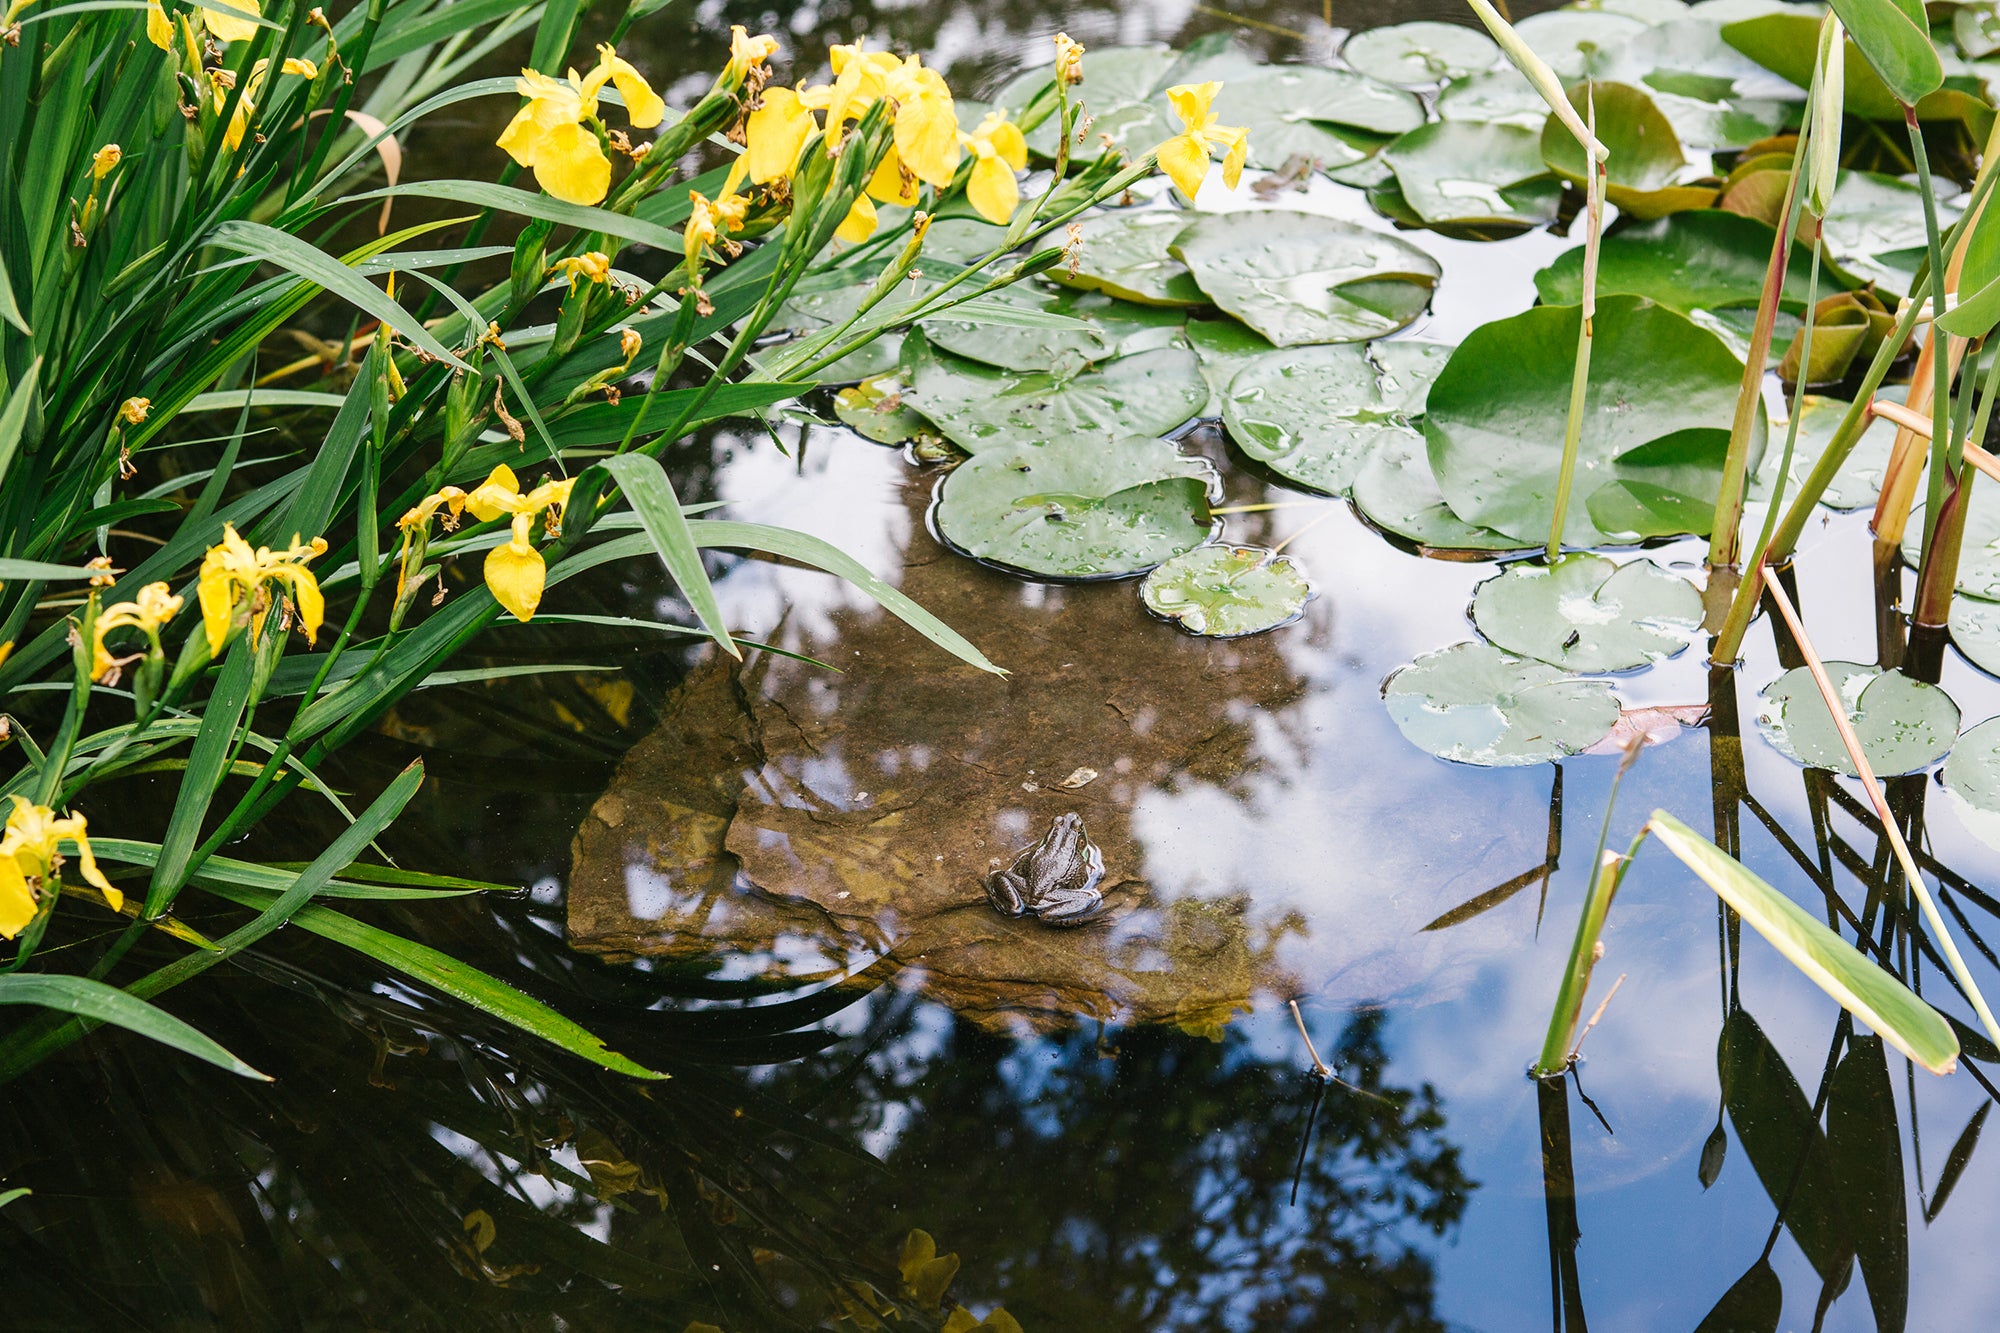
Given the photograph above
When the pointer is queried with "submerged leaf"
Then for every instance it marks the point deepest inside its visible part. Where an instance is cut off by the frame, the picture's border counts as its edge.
(1587, 613)
(1078, 508)
(1297, 278)
(1903, 725)
(1225, 592)
(1474, 704)
(1754, 1303)
(1867, 1151)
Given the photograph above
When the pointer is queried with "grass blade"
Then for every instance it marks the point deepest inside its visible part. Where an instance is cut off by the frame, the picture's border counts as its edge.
(107, 1004)
(652, 497)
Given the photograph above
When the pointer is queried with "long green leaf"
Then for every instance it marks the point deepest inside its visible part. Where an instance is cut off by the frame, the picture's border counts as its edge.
(645, 484)
(529, 203)
(42, 570)
(459, 980)
(1895, 36)
(322, 269)
(14, 417)
(1885, 1004)
(208, 761)
(107, 1004)
(273, 880)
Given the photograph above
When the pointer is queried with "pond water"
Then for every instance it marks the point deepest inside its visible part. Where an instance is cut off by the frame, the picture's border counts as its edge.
(765, 881)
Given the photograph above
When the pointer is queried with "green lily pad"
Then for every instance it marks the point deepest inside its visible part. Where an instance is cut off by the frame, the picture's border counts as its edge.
(1500, 96)
(1700, 260)
(981, 407)
(1288, 111)
(1874, 228)
(1732, 123)
(1651, 454)
(874, 408)
(1587, 613)
(1474, 704)
(1223, 347)
(1078, 508)
(1226, 592)
(1112, 328)
(1687, 55)
(1126, 254)
(1975, 628)
(1903, 725)
(1421, 53)
(1396, 494)
(1972, 776)
(822, 301)
(1646, 166)
(1979, 553)
(1117, 91)
(1459, 173)
(1297, 278)
(1578, 43)
(1859, 480)
(1315, 415)
(962, 240)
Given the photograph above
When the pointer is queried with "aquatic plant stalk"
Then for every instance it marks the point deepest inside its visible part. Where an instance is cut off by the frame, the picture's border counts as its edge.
(1873, 787)
(1579, 384)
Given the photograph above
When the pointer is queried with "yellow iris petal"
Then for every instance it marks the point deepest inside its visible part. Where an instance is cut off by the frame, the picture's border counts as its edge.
(515, 572)
(217, 595)
(643, 107)
(230, 28)
(1191, 102)
(890, 183)
(859, 224)
(1185, 160)
(158, 30)
(571, 166)
(927, 139)
(992, 189)
(17, 903)
(775, 134)
(1232, 165)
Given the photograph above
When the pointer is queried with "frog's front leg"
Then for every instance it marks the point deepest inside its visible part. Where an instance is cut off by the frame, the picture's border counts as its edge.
(1008, 892)
(1069, 907)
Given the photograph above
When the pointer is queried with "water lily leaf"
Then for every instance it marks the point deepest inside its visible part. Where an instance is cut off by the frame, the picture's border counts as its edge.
(1874, 228)
(1700, 260)
(1421, 53)
(1297, 278)
(1462, 174)
(1117, 90)
(1577, 43)
(1126, 254)
(1587, 613)
(1859, 480)
(1224, 347)
(1975, 628)
(874, 408)
(1501, 96)
(1225, 592)
(1847, 326)
(1687, 55)
(1646, 162)
(1651, 455)
(1972, 774)
(1733, 123)
(962, 240)
(1903, 725)
(1787, 44)
(980, 407)
(1315, 415)
(1976, 29)
(1101, 327)
(1396, 494)
(824, 300)
(1289, 109)
(1078, 508)
(1978, 556)
(1474, 704)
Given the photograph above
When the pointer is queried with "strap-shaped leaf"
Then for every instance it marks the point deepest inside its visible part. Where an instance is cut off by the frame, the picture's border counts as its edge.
(652, 497)
(1896, 38)
(107, 1004)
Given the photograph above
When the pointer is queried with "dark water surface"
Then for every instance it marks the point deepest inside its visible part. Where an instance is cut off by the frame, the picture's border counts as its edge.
(772, 883)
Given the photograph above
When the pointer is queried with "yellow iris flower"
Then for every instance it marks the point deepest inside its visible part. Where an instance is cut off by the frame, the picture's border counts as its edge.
(775, 134)
(1185, 156)
(155, 606)
(228, 27)
(746, 51)
(557, 133)
(1069, 59)
(31, 852)
(515, 570)
(859, 224)
(159, 30)
(220, 82)
(594, 266)
(999, 150)
(233, 575)
(709, 221)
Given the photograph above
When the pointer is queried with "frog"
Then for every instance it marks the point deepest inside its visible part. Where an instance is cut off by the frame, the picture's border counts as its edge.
(1055, 880)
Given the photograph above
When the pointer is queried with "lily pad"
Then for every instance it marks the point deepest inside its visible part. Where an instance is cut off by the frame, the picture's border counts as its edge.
(1978, 554)
(1315, 415)
(1109, 327)
(1226, 592)
(1700, 260)
(981, 407)
(1459, 173)
(1499, 96)
(822, 301)
(1474, 704)
(1578, 43)
(1975, 628)
(1874, 228)
(1972, 776)
(1422, 53)
(1126, 254)
(1903, 725)
(1289, 109)
(1297, 278)
(1858, 482)
(1587, 613)
(1117, 90)
(1395, 493)
(1651, 454)
(1646, 168)
(1078, 508)
(1224, 348)
(875, 408)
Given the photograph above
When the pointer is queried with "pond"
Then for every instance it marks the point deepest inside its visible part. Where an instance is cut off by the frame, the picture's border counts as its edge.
(1279, 1078)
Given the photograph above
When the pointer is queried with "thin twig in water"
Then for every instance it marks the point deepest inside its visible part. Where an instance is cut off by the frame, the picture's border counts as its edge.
(1320, 1066)
(1603, 1004)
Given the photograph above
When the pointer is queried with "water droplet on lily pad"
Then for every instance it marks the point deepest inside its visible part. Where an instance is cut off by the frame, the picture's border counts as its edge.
(1903, 725)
